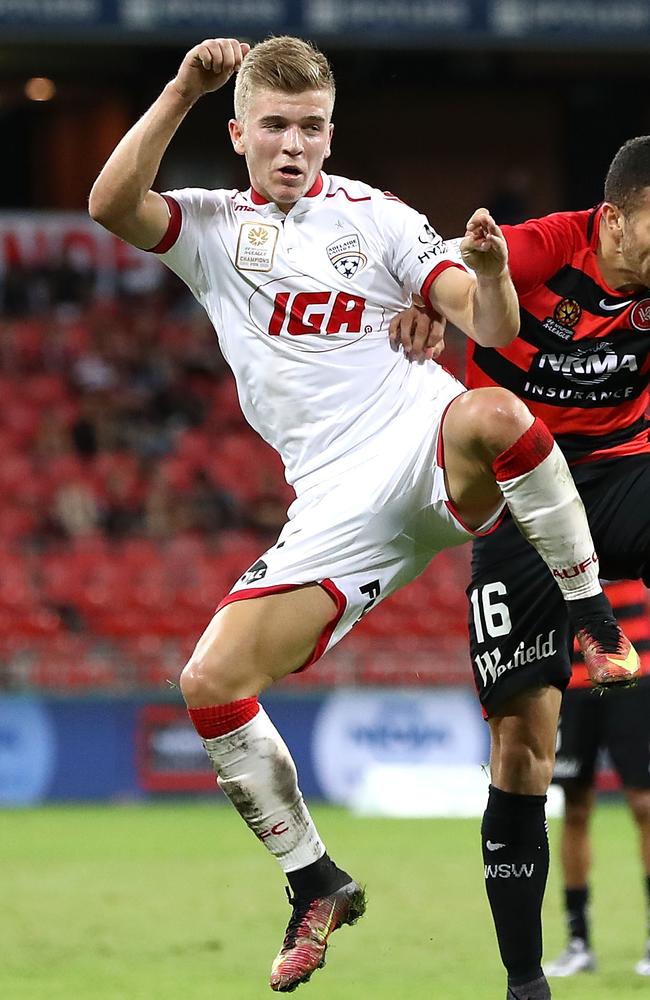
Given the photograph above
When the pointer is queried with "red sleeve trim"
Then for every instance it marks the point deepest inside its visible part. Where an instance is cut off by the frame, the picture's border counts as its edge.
(173, 226)
(437, 271)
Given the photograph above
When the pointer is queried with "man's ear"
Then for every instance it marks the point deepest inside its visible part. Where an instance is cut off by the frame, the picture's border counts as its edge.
(328, 148)
(613, 218)
(236, 136)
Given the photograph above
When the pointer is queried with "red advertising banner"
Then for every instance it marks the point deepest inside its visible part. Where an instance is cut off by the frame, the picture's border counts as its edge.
(32, 239)
(170, 757)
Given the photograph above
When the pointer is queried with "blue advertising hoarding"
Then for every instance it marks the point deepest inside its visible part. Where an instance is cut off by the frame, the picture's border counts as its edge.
(365, 22)
(120, 749)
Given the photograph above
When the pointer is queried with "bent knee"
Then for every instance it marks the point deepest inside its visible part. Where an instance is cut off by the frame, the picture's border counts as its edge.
(500, 417)
(491, 418)
(211, 677)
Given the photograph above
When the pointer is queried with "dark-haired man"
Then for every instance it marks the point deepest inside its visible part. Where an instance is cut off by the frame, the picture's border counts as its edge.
(582, 363)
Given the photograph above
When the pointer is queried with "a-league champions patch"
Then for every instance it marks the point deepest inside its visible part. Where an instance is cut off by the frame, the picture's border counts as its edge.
(256, 246)
(346, 255)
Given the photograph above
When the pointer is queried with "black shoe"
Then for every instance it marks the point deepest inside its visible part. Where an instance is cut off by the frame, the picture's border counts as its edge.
(537, 989)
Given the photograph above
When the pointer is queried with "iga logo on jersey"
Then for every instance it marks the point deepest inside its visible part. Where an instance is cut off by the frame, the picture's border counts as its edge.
(345, 254)
(283, 307)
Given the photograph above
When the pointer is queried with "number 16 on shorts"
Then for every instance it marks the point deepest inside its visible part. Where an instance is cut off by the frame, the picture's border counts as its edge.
(490, 620)
(490, 615)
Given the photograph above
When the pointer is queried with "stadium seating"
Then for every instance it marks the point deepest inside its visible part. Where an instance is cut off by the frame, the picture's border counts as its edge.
(130, 495)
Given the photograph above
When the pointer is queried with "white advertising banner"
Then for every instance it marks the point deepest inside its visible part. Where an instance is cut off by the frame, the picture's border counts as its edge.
(358, 730)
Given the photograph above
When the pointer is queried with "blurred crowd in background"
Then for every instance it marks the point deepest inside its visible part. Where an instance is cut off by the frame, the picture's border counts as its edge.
(132, 494)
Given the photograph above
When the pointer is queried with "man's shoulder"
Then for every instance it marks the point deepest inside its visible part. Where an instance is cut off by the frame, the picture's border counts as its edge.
(205, 200)
(580, 224)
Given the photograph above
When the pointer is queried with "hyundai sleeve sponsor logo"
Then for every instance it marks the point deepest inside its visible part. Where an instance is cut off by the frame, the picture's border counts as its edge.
(358, 729)
(27, 751)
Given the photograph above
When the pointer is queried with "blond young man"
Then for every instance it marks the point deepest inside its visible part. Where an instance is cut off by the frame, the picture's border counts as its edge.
(391, 463)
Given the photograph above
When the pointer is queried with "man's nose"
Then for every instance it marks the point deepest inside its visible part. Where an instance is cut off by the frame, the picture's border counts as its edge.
(293, 139)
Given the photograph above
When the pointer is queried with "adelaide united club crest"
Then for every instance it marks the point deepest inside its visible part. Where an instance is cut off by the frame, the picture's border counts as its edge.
(346, 256)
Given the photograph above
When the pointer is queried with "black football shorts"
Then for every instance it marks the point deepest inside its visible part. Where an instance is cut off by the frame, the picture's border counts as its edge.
(617, 721)
(518, 626)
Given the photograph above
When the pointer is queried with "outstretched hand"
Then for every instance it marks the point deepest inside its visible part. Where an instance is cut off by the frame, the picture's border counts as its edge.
(419, 331)
(208, 66)
(483, 248)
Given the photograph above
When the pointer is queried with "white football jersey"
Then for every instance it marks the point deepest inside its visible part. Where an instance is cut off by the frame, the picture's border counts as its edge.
(301, 305)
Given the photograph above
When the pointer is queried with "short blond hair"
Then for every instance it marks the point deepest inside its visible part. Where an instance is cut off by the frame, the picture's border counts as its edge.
(284, 63)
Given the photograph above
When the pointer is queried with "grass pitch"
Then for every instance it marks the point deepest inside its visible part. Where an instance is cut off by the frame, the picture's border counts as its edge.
(178, 902)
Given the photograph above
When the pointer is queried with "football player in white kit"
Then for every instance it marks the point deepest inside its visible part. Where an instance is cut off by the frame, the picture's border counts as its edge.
(391, 462)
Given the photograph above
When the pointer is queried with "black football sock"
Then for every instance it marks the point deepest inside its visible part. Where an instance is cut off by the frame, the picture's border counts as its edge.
(647, 899)
(594, 610)
(318, 879)
(515, 856)
(576, 903)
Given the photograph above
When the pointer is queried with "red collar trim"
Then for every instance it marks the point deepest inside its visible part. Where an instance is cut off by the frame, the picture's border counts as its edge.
(314, 190)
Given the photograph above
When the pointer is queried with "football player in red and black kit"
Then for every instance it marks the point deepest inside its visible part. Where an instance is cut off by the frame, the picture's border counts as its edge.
(619, 723)
(582, 363)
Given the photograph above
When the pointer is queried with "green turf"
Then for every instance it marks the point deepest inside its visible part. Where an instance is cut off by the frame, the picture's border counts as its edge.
(180, 903)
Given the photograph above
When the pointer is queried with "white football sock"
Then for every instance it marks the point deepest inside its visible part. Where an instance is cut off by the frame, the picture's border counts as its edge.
(547, 509)
(255, 770)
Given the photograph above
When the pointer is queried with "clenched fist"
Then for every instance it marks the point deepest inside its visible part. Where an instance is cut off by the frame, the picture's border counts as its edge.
(208, 66)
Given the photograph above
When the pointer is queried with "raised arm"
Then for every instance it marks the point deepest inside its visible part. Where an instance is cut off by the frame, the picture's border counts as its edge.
(121, 198)
(484, 307)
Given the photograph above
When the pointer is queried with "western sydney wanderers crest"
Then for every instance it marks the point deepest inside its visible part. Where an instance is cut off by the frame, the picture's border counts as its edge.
(345, 254)
(256, 246)
(640, 315)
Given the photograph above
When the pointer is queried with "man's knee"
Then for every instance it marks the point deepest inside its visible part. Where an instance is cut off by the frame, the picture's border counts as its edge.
(578, 804)
(639, 801)
(226, 665)
(209, 677)
(492, 418)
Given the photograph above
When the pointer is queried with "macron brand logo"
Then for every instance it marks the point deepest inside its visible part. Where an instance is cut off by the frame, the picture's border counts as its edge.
(493, 847)
(509, 871)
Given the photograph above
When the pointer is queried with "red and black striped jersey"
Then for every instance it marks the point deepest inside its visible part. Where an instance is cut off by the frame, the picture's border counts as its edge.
(582, 358)
(629, 599)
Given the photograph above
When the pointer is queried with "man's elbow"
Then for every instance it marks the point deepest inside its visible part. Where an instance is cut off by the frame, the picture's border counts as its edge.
(98, 206)
(502, 337)
(102, 208)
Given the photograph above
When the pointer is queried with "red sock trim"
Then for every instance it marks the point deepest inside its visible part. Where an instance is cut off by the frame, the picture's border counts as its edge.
(217, 720)
(526, 453)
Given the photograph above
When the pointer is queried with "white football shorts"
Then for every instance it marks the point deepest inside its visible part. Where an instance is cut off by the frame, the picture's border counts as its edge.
(366, 534)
